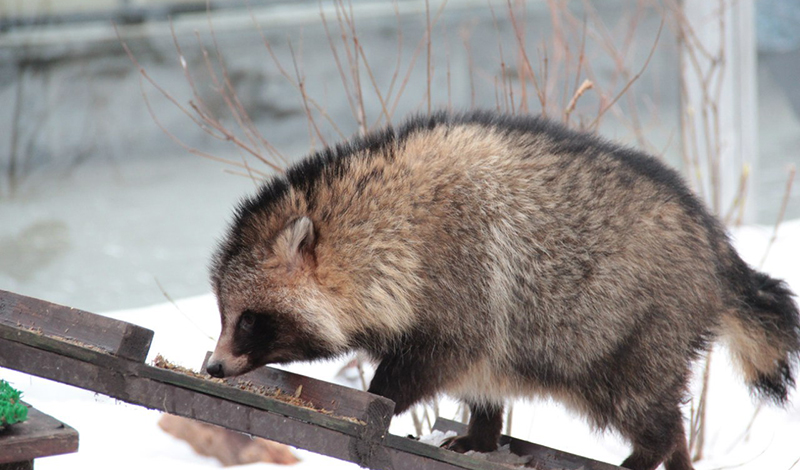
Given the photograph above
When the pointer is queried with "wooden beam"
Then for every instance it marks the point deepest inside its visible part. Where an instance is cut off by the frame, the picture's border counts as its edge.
(39, 436)
(71, 325)
(227, 406)
(128, 381)
(373, 409)
(541, 457)
(118, 378)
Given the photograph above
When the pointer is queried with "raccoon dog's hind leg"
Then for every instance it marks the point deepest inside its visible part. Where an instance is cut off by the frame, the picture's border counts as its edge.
(485, 425)
(658, 438)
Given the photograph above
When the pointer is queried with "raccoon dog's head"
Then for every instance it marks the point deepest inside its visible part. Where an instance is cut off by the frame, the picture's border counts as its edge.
(272, 307)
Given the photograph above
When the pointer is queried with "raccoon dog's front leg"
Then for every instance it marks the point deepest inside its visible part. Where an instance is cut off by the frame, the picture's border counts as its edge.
(405, 379)
(485, 424)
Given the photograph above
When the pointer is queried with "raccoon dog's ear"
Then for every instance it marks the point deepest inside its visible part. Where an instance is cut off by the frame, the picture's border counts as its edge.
(295, 243)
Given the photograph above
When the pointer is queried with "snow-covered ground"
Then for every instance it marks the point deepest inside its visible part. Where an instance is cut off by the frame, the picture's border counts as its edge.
(125, 436)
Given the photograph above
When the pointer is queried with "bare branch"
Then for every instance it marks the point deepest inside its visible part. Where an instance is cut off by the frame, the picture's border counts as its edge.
(784, 202)
(585, 86)
(631, 81)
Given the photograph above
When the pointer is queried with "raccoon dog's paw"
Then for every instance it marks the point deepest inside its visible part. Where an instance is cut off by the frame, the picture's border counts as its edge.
(463, 444)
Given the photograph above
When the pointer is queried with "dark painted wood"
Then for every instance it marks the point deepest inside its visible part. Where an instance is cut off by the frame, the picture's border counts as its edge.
(95, 331)
(118, 377)
(39, 436)
(400, 448)
(24, 465)
(373, 409)
(239, 410)
(128, 382)
(544, 458)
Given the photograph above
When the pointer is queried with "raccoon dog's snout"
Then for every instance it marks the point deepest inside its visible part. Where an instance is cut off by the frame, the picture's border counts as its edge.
(215, 369)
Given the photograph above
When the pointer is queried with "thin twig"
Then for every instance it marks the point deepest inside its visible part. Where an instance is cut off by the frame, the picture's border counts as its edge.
(235, 105)
(631, 81)
(321, 110)
(187, 317)
(361, 375)
(585, 86)
(698, 431)
(143, 75)
(312, 124)
(417, 422)
(470, 66)
(740, 197)
(428, 32)
(784, 202)
(525, 60)
(352, 61)
(414, 57)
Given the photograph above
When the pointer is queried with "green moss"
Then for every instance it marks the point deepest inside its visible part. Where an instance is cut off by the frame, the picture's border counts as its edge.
(12, 411)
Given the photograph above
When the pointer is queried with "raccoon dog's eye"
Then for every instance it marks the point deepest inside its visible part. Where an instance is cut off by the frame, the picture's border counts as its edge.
(247, 320)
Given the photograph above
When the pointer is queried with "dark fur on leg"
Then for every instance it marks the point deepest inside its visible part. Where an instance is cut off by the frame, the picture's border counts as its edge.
(485, 425)
(661, 440)
(406, 378)
(680, 459)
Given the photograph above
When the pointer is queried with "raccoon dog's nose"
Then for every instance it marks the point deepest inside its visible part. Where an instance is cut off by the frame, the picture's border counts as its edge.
(215, 370)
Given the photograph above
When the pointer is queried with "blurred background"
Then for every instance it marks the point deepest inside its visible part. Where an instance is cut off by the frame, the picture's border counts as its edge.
(102, 209)
(129, 129)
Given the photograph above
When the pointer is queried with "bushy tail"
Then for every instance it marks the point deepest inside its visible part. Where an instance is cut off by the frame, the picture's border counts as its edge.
(764, 336)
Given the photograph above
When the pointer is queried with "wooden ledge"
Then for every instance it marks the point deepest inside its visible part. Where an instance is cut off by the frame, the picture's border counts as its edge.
(67, 324)
(39, 436)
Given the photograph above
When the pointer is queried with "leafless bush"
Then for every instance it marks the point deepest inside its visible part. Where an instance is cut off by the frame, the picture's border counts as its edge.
(526, 87)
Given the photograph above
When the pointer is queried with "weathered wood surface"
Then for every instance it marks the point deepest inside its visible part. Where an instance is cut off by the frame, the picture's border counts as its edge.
(340, 400)
(227, 406)
(543, 458)
(118, 377)
(39, 436)
(144, 385)
(95, 331)
(23, 465)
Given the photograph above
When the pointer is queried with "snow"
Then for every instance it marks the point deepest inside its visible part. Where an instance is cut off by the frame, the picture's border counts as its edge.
(126, 435)
(436, 438)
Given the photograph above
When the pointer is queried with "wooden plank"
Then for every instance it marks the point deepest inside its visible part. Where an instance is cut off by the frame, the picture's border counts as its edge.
(23, 465)
(40, 436)
(71, 325)
(234, 409)
(543, 458)
(124, 370)
(373, 409)
(409, 454)
(125, 383)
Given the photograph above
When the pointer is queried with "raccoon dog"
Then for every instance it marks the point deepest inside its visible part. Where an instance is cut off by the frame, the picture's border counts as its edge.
(491, 257)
